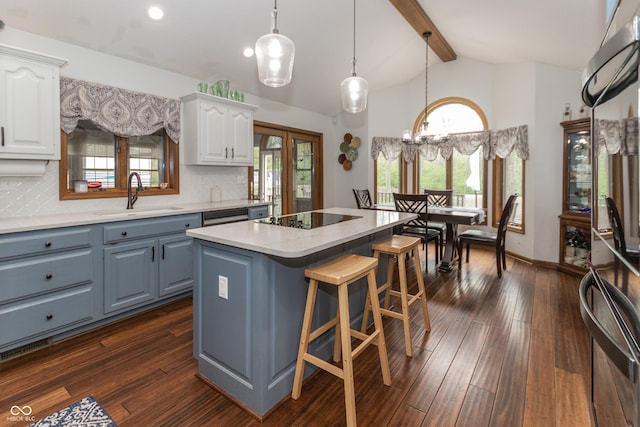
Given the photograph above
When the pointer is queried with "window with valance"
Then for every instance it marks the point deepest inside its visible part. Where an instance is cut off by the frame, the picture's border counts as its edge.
(509, 148)
(109, 132)
(499, 143)
(616, 136)
(119, 111)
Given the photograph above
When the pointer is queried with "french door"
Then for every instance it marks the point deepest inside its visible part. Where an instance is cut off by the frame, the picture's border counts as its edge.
(287, 169)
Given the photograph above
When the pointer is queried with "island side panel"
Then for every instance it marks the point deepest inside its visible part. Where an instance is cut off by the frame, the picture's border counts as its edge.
(223, 326)
(247, 344)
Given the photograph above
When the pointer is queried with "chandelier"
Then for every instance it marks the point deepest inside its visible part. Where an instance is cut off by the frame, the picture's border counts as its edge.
(421, 135)
(274, 55)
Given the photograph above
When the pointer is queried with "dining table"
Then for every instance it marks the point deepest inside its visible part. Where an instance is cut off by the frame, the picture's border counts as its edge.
(451, 216)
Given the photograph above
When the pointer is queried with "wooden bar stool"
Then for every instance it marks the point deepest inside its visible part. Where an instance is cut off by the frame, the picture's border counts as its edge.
(341, 273)
(397, 247)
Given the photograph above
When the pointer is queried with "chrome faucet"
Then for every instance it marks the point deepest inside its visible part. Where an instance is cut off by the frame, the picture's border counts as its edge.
(132, 199)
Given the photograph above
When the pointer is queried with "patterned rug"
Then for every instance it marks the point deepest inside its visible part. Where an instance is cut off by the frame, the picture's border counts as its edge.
(85, 413)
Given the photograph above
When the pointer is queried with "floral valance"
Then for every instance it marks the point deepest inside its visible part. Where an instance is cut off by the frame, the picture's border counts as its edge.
(617, 136)
(499, 143)
(120, 111)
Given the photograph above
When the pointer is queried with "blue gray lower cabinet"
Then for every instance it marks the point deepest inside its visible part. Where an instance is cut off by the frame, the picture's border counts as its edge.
(146, 260)
(247, 344)
(49, 283)
(59, 282)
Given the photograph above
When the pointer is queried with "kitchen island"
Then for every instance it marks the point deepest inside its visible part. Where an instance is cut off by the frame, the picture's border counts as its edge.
(249, 298)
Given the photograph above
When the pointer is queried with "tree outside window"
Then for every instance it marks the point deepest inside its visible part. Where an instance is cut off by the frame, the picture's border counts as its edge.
(509, 179)
(465, 174)
(388, 179)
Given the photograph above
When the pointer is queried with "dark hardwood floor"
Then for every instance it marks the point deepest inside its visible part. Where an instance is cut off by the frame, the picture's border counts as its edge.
(502, 352)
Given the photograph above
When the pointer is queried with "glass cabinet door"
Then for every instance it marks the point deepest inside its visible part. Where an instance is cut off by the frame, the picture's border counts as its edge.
(575, 219)
(577, 191)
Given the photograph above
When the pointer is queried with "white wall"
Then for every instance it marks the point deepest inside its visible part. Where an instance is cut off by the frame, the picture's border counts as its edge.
(395, 109)
(553, 88)
(25, 196)
(358, 177)
(514, 104)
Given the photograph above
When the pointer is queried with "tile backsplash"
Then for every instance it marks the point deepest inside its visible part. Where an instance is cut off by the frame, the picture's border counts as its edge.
(28, 196)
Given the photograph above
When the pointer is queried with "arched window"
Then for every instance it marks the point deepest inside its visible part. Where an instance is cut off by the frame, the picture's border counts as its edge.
(465, 174)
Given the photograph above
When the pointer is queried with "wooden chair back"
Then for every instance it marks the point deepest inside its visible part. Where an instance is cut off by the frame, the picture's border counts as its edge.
(504, 220)
(616, 227)
(363, 198)
(439, 197)
(413, 203)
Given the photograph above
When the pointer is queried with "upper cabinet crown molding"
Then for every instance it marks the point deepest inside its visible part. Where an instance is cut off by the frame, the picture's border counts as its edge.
(217, 131)
(29, 105)
(31, 55)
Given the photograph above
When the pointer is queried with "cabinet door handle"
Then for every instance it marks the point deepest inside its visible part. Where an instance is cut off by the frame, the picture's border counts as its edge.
(2, 135)
(49, 276)
(47, 244)
(226, 152)
(124, 233)
(162, 251)
(49, 316)
(153, 253)
(233, 153)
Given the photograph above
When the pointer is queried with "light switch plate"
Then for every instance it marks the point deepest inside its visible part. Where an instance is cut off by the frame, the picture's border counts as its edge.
(223, 287)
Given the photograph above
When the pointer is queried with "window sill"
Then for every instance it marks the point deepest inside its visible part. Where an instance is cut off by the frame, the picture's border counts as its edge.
(112, 193)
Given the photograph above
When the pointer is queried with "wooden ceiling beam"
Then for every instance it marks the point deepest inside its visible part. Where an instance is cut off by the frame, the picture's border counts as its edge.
(420, 21)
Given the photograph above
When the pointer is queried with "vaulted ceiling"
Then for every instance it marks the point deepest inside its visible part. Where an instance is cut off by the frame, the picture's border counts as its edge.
(205, 39)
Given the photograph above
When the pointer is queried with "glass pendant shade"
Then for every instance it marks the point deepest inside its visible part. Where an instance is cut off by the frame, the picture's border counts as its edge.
(274, 54)
(354, 91)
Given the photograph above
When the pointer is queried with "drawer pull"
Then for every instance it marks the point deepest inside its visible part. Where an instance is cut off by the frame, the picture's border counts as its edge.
(49, 316)
(49, 276)
(124, 233)
(47, 244)
(187, 225)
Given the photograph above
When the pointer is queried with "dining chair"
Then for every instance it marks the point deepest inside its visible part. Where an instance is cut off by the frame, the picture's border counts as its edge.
(617, 228)
(417, 203)
(439, 198)
(363, 198)
(489, 238)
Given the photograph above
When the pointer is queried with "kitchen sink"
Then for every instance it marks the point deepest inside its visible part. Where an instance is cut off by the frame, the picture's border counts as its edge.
(143, 211)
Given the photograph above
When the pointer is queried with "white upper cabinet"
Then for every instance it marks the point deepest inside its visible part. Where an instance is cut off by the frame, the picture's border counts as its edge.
(29, 105)
(217, 131)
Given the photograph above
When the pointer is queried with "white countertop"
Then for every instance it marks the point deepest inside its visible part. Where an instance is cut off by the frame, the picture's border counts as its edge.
(68, 219)
(293, 242)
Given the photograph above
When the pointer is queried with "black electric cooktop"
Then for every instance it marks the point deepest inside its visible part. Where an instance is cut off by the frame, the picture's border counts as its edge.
(307, 220)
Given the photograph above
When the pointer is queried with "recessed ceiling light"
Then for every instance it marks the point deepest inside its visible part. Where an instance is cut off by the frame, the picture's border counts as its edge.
(248, 52)
(155, 13)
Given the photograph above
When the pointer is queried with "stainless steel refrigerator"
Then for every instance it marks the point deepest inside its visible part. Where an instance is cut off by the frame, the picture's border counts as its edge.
(610, 292)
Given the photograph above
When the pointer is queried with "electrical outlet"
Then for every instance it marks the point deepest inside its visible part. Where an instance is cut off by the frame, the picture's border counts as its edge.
(223, 287)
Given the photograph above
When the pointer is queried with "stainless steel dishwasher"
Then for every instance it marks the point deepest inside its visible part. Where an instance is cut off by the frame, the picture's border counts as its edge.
(225, 216)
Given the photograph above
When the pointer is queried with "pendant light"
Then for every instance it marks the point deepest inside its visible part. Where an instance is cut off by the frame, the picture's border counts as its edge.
(421, 136)
(354, 89)
(274, 55)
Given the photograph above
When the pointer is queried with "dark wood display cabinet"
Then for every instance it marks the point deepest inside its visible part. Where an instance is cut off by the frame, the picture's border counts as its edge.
(575, 220)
